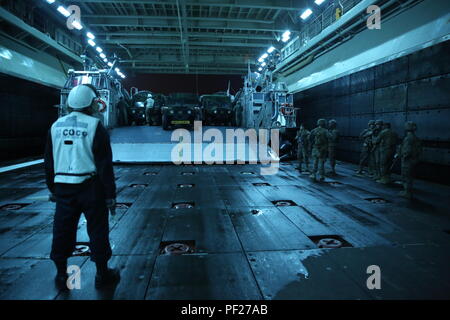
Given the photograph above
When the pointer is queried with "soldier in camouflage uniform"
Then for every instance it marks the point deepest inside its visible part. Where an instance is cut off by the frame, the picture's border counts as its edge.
(319, 141)
(387, 143)
(303, 148)
(366, 137)
(333, 139)
(376, 148)
(409, 151)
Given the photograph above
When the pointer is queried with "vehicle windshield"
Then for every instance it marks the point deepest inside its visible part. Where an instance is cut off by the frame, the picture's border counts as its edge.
(95, 80)
(223, 102)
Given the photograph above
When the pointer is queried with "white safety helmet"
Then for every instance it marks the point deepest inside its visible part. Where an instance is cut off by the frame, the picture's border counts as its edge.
(81, 97)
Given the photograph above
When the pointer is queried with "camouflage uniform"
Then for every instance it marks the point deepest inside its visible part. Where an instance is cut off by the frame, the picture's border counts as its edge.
(303, 148)
(410, 151)
(319, 141)
(366, 136)
(333, 139)
(376, 148)
(388, 141)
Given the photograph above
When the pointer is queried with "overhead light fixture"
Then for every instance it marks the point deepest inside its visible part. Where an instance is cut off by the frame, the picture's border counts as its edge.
(286, 36)
(102, 55)
(263, 64)
(110, 64)
(260, 69)
(271, 49)
(50, 1)
(264, 56)
(92, 43)
(117, 70)
(90, 35)
(319, 2)
(306, 14)
(77, 25)
(99, 50)
(64, 11)
(105, 60)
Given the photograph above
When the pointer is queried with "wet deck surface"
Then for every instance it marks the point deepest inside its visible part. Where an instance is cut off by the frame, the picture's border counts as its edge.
(238, 254)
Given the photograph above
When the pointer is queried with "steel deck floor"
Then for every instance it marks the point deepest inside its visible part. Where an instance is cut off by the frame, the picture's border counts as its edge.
(238, 254)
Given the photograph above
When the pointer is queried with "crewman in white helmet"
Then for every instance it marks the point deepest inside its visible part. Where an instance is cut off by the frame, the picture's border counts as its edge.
(80, 176)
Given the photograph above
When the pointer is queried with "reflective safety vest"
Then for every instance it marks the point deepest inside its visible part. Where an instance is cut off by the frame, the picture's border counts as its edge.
(72, 139)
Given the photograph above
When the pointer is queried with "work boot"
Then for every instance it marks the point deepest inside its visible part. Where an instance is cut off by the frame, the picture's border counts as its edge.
(61, 281)
(109, 278)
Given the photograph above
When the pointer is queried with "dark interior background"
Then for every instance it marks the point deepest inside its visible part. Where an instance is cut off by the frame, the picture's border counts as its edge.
(170, 83)
(415, 87)
(26, 114)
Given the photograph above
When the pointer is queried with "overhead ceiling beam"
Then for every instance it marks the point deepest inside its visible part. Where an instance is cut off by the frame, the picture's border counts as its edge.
(126, 22)
(137, 41)
(250, 4)
(90, 17)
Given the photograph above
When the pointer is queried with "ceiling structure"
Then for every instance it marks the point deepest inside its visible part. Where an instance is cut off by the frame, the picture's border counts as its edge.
(189, 36)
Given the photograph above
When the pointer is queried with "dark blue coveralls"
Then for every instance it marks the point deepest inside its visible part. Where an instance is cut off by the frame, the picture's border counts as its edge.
(89, 198)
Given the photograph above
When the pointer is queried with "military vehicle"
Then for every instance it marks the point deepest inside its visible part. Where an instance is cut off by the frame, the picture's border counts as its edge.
(113, 113)
(217, 109)
(182, 109)
(137, 109)
(154, 113)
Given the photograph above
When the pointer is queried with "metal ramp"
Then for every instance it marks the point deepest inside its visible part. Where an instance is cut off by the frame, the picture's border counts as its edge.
(145, 144)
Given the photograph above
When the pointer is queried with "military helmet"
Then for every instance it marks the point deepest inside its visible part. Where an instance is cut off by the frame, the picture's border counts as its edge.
(321, 122)
(379, 122)
(410, 126)
(371, 122)
(332, 123)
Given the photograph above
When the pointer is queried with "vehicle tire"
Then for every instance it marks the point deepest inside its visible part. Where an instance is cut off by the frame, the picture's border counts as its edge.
(165, 122)
(122, 108)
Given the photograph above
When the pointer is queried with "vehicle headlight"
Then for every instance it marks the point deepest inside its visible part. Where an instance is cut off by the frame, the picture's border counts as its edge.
(189, 112)
(229, 112)
(172, 112)
(215, 111)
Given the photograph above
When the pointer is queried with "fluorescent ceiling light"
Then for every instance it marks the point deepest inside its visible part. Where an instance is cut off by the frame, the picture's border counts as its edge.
(263, 64)
(264, 56)
(99, 50)
(260, 69)
(77, 25)
(90, 35)
(117, 70)
(102, 55)
(63, 11)
(92, 43)
(51, 1)
(110, 64)
(319, 2)
(271, 49)
(306, 14)
(286, 36)
(105, 60)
